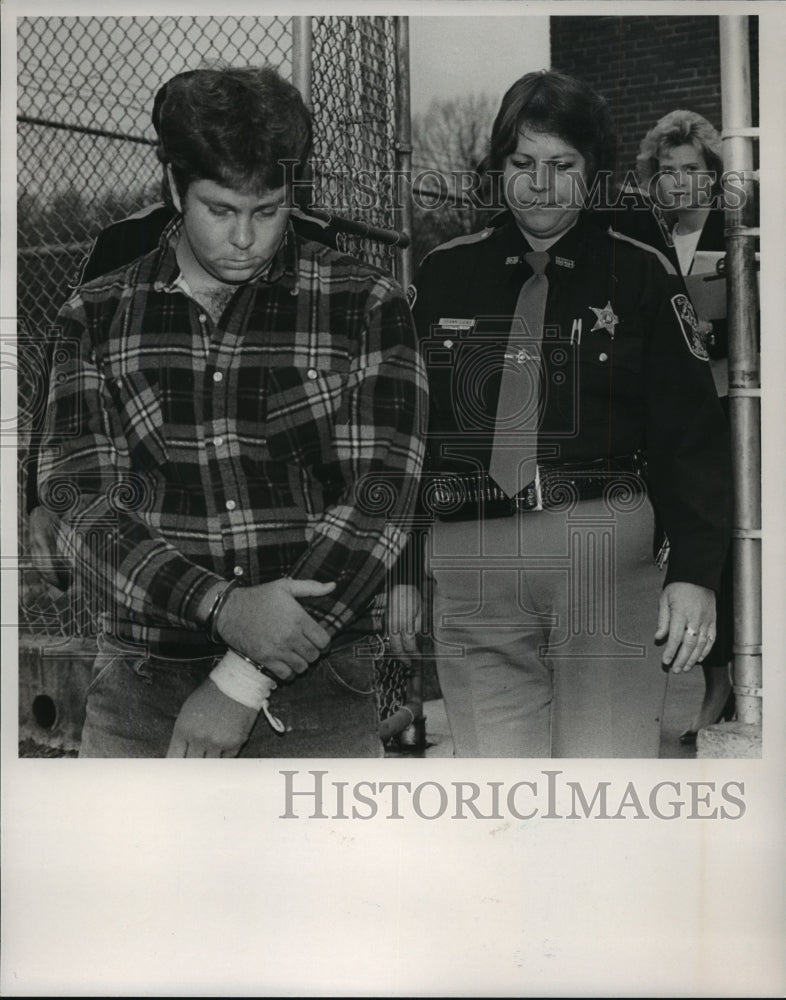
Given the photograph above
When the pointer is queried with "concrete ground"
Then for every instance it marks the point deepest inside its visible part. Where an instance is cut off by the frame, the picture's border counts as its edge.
(683, 698)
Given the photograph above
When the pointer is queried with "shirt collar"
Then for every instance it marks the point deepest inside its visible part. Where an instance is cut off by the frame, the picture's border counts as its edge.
(565, 253)
(570, 246)
(283, 268)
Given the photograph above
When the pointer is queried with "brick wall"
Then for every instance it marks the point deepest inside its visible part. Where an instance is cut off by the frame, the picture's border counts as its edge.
(646, 66)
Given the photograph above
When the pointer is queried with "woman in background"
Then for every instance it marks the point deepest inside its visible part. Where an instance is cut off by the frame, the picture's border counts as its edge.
(680, 165)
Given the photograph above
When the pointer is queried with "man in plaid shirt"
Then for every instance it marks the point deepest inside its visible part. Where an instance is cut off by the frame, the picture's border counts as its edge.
(233, 451)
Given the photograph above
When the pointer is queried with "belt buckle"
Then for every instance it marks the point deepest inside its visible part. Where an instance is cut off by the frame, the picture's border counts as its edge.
(531, 497)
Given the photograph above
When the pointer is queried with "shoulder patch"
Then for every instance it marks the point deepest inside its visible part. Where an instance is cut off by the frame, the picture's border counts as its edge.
(689, 324)
(412, 296)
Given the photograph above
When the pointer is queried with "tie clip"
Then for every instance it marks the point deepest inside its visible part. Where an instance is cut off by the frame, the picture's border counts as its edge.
(519, 357)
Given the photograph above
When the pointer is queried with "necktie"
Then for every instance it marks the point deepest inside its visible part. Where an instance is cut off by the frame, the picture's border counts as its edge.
(515, 452)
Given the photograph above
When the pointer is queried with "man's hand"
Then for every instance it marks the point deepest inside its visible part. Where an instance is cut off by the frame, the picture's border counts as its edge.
(211, 725)
(268, 624)
(403, 621)
(687, 616)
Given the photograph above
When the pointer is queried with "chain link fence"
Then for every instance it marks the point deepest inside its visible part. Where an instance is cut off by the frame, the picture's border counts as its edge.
(353, 99)
(85, 138)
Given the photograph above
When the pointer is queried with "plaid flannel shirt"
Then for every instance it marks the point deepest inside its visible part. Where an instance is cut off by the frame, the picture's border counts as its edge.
(284, 441)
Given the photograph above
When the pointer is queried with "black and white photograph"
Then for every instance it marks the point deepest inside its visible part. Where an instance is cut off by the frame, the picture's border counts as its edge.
(393, 419)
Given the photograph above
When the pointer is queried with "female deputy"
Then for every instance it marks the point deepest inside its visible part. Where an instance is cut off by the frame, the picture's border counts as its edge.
(568, 386)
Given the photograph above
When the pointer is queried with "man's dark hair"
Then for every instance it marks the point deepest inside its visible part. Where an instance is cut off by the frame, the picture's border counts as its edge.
(244, 128)
(553, 102)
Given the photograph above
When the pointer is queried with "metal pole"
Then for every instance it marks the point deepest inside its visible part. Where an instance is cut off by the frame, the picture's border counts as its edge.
(404, 150)
(302, 71)
(302, 57)
(85, 130)
(744, 378)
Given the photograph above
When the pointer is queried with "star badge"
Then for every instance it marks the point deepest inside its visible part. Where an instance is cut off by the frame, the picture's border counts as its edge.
(606, 319)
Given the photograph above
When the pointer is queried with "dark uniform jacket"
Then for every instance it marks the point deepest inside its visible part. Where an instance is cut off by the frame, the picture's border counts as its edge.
(624, 370)
(648, 225)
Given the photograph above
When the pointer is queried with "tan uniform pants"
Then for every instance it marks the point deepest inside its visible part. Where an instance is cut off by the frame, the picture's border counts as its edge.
(543, 632)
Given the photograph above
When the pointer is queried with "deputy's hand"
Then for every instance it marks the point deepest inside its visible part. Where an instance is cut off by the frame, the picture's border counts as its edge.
(686, 619)
(403, 621)
(268, 624)
(211, 725)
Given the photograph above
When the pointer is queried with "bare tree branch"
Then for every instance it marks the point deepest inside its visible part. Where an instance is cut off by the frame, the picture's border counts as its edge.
(451, 138)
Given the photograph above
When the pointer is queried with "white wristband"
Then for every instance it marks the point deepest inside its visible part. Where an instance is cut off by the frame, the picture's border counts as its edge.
(237, 679)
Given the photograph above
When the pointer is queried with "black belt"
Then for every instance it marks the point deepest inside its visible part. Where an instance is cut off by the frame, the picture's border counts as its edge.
(558, 486)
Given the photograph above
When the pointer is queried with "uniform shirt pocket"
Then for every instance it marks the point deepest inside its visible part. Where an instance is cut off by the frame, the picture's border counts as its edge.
(611, 374)
(600, 350)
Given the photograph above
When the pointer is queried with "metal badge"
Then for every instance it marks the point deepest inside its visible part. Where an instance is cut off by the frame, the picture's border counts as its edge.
(606, 319)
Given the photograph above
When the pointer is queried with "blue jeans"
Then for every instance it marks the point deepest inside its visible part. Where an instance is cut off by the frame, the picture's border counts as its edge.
(134, 699)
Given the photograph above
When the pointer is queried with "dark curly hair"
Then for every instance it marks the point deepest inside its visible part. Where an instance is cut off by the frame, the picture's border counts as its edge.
(553, 102)
(244, 128)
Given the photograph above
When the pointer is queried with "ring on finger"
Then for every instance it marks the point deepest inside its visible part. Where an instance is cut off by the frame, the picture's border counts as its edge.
(690, 630)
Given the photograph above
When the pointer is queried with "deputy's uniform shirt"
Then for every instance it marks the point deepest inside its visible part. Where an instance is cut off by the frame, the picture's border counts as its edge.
(624, 370)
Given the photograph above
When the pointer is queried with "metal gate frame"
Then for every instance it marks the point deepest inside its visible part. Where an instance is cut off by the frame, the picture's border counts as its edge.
(744, 375)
